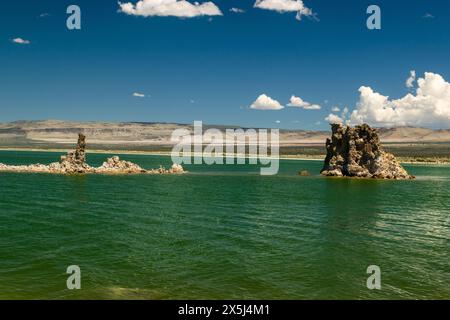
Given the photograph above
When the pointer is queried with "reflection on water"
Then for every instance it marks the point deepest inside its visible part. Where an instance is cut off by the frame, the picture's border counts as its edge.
(78, 187)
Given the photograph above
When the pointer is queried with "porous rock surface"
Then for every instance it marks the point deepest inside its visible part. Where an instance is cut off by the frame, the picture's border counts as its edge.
(357, 152)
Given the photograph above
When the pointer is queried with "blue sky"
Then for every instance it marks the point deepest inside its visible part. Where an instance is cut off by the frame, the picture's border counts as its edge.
(213, 68)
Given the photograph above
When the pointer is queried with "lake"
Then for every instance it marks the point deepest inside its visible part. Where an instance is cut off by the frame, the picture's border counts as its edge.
(222, 232)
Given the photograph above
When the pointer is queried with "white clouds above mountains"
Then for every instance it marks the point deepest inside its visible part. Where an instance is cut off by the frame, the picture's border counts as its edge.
(300, 103)
(264, 102)
(285, 6)
(166, 8)
(428, 107)
(20, 41)
(332, 118)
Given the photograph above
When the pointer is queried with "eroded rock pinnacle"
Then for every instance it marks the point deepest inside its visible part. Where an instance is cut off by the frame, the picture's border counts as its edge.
(357, 152)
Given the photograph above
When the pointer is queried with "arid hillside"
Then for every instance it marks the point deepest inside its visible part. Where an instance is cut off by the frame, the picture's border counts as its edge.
(57, 133)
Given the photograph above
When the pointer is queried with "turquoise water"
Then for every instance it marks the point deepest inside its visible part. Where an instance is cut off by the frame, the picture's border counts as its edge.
(222, 232)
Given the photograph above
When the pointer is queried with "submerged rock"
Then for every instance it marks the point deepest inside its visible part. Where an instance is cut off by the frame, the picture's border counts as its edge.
(357, 152)
(74, 162)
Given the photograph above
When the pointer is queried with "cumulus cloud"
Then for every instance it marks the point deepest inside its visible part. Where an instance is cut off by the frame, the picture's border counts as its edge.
(20, 41)
(285, 6)
(332, 118)
(410, 81)
(429, 106)
(138, 95)
(174, 8)
(300, 103)
(237, 10)
(264, 102)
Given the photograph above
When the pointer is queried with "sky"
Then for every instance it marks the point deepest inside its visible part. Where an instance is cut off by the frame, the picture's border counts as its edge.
(255, 63)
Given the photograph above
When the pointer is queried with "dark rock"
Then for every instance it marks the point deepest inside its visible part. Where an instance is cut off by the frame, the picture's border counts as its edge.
(357, 152)
(80, 154)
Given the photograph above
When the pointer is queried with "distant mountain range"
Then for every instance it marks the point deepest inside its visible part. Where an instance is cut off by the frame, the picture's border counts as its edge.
(56, 132)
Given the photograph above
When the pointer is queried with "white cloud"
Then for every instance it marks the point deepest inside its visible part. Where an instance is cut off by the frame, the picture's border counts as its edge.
(300, 103)
(428, 16)
(21, 41)
(429, 106)
(43, 15)
(410, 81)
(332, 118)
(264, 102)
(335, 109)
(277, 121)
(165, 8)
(285, 6)
(138, 95)
(237, 10)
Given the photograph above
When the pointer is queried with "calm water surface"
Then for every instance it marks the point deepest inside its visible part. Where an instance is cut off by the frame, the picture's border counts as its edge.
(222, 232)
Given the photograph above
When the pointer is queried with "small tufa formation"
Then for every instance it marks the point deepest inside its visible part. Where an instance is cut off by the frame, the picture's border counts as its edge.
(357, 152)
(114, 165)
(74, 162)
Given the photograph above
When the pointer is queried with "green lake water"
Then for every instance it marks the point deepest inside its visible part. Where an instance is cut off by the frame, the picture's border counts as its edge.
(222, 232)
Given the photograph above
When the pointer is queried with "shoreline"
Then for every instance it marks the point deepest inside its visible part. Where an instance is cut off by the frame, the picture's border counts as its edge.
(299, 157)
